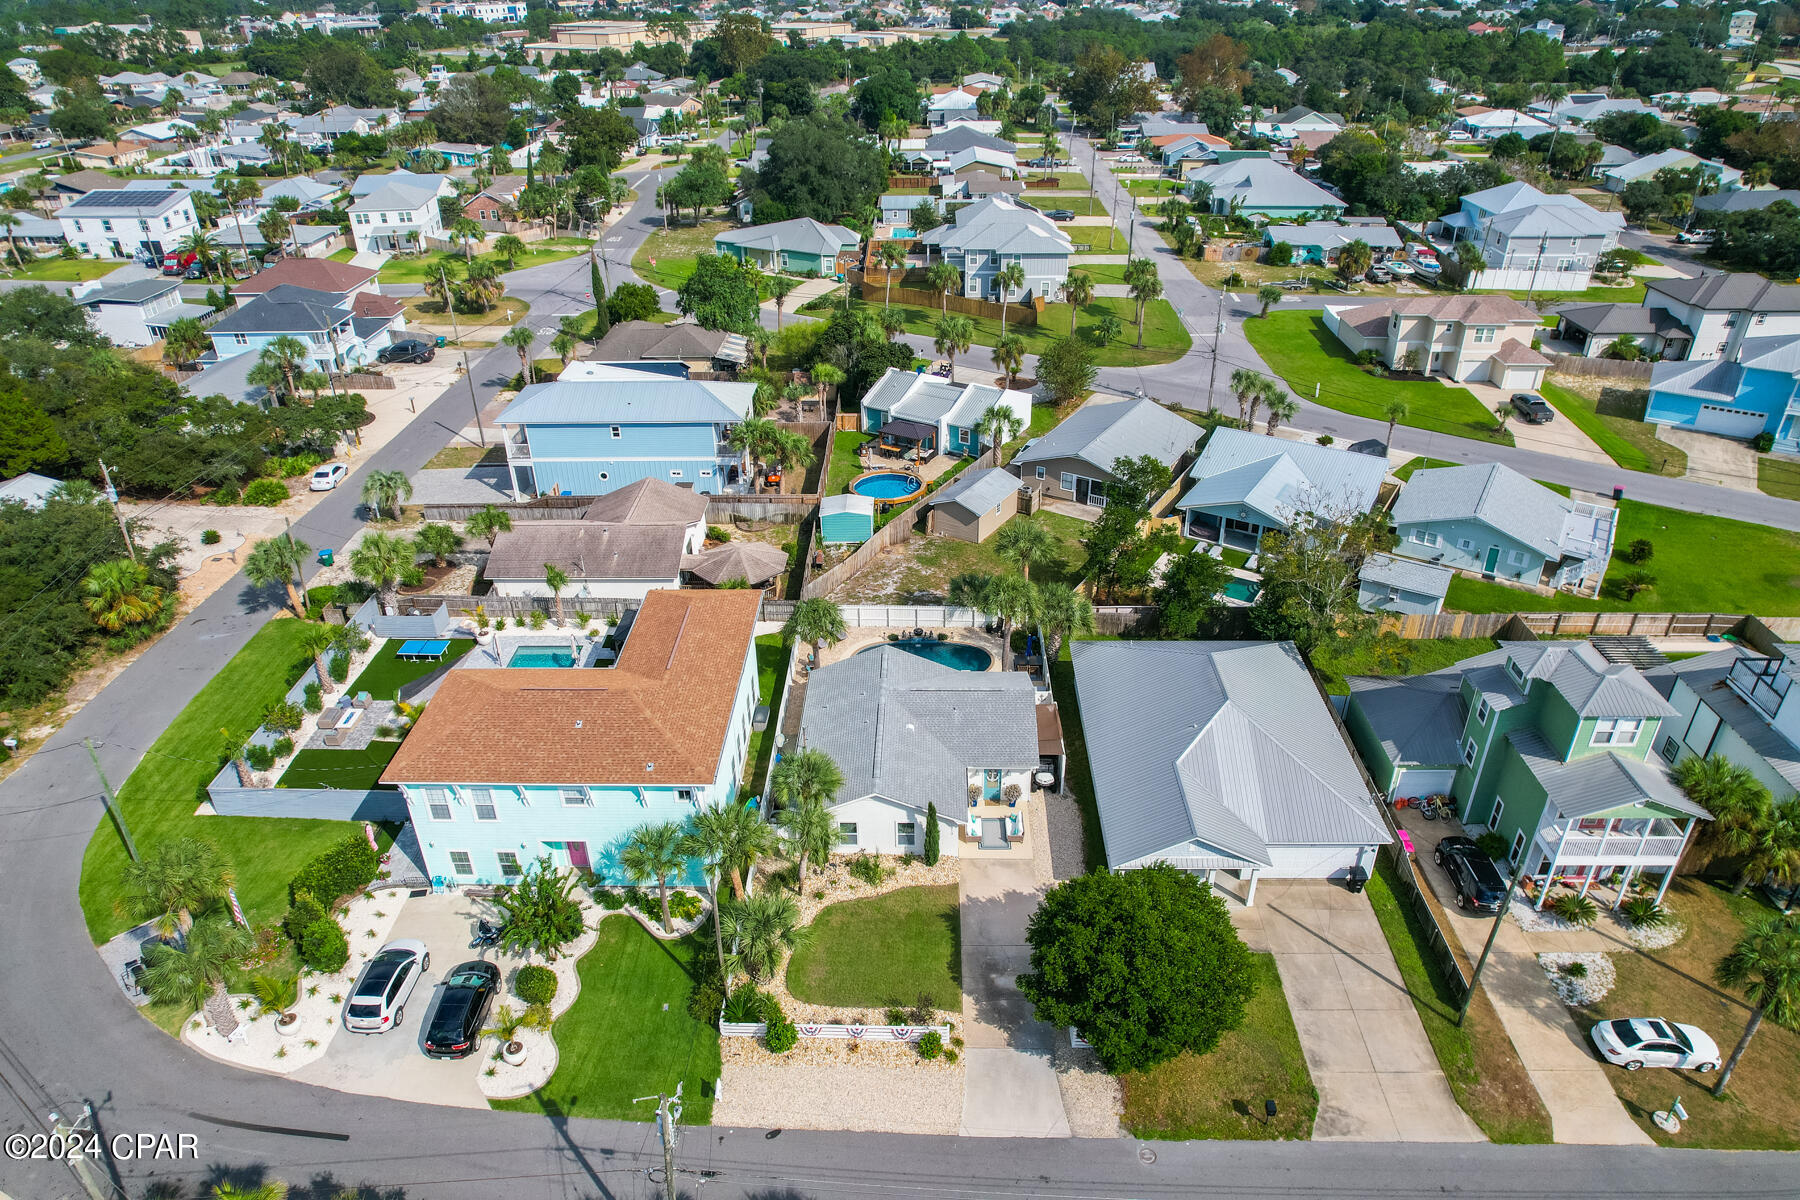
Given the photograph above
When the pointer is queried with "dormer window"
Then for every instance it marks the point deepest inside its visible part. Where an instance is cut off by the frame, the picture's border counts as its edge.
(1616, 732)
(1516, 671)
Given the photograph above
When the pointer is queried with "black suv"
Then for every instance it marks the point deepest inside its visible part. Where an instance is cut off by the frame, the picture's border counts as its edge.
(409, 350)
(1532, 408)
(1478, 883)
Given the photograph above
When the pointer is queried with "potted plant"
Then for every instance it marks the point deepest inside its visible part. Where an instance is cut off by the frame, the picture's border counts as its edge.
(279, 994)
(508, 1023)
(974, 795)
(1011, 793)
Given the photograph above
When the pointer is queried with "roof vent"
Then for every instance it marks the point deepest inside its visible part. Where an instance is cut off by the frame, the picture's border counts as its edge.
(649, 766)
(578, 722)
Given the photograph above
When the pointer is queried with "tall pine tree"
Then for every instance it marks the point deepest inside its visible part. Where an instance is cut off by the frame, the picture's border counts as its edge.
(602, 322)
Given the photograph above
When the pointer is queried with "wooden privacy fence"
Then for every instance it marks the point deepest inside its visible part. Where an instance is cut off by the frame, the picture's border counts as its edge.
(898, 530)
(1019, 312)
(1606, 368)
(544, 508)
(855, 1033)
(1569, 624)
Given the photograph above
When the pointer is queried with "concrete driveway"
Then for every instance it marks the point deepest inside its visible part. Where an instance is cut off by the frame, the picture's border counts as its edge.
(1009, 1084)
(1721, 461)
(1560, 436)
(1377, 1075)
(393, 1064)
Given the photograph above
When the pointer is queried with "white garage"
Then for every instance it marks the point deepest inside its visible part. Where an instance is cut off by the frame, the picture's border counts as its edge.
(1318, 862)
(1730, 422)
(1424, 781)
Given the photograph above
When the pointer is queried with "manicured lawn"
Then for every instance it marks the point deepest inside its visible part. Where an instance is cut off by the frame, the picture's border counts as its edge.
(1477, 1057)
(1080, 775)
(1759, 1110)
(1392, 656)
(386, 674)
(845, 465)
(1633, 293)
(339, 768)
(159, 798)
(1097, 239)
(1421, 464)
(1702, 564)
(1303, 352)
(61, 270)
(771, 659)
(1160, 189)
(1100, 272)
(1165, 338)
(453, 457)
(1779, 477)
(889, 949)
(1627, 439)
(629, 1033)
(675, 251)
(425, 311)
(1220, 1095)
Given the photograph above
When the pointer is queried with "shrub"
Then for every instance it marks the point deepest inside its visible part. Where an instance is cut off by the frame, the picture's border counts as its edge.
(284, 746)
(1367, 358)
(610, 900)
(684, 906)
(1763, 442)
(339, 666)
(933, 836)
(632, 302)
(1492, 844)
(895, 1016)
(537, 618)
(706, 992)
(931, 1045)
(747, 1005)
(315, 699)
(344, 868)
(260, 757)
(209, 537)
(302, 911)
(224, 494)
(1574, 970)
(1281, 254)
(1641, 550)
(535, 984)
(1575, 909)
(781, 1036)
(1325, 439)
(869, 869)
(1628, 585)
(265, 492)
(715, 533)
(1644, 912)
(283, 716)
(322, 946)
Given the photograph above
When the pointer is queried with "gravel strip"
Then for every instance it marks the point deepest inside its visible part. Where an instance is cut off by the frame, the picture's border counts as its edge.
(1590, 988)
(1090, 1096)
(820, 1085)
(1535, 920)
(1645, 937)
(1066, 841)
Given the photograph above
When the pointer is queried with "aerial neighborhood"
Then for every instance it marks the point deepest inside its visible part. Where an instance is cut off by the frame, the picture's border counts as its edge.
(654, 578)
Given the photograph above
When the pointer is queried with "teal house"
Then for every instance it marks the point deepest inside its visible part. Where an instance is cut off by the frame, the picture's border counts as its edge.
(1546, 744)
(802, 246)
(846, 520)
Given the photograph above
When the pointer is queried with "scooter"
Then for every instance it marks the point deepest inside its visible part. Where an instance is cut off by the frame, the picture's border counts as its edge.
(487, 935)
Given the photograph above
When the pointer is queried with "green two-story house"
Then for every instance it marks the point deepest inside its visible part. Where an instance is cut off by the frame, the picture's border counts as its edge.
(1545, 743)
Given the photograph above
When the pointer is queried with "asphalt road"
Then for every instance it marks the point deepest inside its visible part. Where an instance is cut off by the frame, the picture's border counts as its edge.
(69, 1036)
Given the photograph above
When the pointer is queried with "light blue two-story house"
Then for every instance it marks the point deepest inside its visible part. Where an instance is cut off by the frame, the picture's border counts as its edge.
(600, 427)
(509, 765)
(341, 332)
(1756, 389)
(1492, 521)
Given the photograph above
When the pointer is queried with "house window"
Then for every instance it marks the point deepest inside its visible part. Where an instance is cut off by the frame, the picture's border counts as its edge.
(905, 833)
(1616, 733)
(1067, 481)
(1040, 472)
(1515, 670)
(461, 863)
(1484, 334)
(1494, 817)
(483, 800)
(575, 797)
(509, 864)
(1464, 544)
(240, 339)
(847, 833)
(1469, 753)
(1762, 318)
(1671, 749)
(1517, 848)
(615, 431)
(1516, 557)
(440, 809)
(674, 474)
(685, 795)
(1481, 712)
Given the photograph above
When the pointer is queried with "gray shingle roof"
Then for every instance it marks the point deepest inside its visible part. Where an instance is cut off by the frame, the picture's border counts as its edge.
(1424, 579)
(1279, 478)
(1215, 749)
(1706, 676)
(135, 291)
(979, 492)
(961, 137)
(1720, 291)
(996, 225)
(1613, 319)
(649, 502)
(1100, 433)
(1744, 200)
(1262, 183)
(587, 550)
(285, 309)
(1596, 783)
(1493, 494)
(909, 729)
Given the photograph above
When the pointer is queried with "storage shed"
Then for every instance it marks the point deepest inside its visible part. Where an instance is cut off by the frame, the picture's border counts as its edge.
(847, 519)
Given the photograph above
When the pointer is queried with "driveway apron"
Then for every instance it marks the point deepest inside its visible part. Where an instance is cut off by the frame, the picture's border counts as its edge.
(1009, 1084)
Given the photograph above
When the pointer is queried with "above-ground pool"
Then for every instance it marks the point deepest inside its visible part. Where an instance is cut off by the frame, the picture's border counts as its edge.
(541, 656)
(959, 655)
(1244, 591)
(887, 485)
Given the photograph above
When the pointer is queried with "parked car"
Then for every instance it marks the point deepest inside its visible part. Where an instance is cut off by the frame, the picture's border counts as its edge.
(1689, 237)
(1129, 158)
(1532, 408)
(408, 350)
(462, 1008)
(1060, 214)
(1460, 135)
(197, 271)
(1638, 1042)
(1042, 162)
(327, 477)
(1479, 887)
(378, 1002)
(1378, 273)
(43, 143)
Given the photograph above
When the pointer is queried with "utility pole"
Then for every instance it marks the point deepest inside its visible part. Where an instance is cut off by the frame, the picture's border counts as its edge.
(112, 804)
(668, 1111)
(1505, 906)
(474, 400)
(112, 497)
(1213, 381)
(450, 307)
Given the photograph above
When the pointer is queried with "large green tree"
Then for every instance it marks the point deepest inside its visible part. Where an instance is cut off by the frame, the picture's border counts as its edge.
(719, 294)
(1143, 964)
(821, 167)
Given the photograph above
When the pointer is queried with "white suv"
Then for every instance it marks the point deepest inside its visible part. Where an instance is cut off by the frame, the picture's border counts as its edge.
(378, 1002)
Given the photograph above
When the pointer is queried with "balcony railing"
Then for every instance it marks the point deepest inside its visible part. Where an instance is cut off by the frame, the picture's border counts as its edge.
(1619, 848)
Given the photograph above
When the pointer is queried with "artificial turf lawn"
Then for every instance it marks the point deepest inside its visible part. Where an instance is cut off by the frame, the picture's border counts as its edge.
(160, 797)
(771, 658)
(327, 768)
(629, 1033)
(1299, 348)
(884, 950)
(386, 674)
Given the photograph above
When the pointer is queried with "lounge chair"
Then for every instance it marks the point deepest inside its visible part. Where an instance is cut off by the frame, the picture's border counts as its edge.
(337, 737)
(363, 700)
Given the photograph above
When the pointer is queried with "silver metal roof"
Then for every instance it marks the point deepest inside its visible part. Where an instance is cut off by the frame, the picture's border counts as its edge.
(1279, 477)
(630, 397)
(1706, 676)
(1597, 783)
(1593, 686)
(1424, 579)
(1496, 495)
(1101, 433)
(980, 491)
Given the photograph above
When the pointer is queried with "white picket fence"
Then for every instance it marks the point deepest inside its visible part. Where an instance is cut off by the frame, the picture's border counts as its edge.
(866, 1033)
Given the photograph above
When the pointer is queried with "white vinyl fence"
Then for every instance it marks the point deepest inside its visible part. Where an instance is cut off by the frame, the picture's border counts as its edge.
(910, 616)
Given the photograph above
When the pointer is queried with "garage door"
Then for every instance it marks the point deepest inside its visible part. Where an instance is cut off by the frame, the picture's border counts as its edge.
(1311, 862)
(1731, 422)
(1421, 782)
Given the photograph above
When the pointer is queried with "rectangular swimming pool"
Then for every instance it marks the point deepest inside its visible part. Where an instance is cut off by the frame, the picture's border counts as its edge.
(540, 656)
(1242, 589)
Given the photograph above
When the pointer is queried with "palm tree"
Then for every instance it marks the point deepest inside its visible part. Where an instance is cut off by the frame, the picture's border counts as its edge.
(482, 288)
(1736, 799)
(383, 559)
(172, 882)
(1774, 847)
(189, 973)
(1106, 327)
(1144, 286)
(779, 287)
(792, 450)
(490, 523)
(439, 541)
(1011, 598)
(318, 641)
(272, 1189)
(891, 255)
(1765, 963)
(119, 594)
(953, 336)
(467, 231)
(186, 342)
(274, 227)
(556, 579)
(1268, 296)
(287, 355)
(810, 828)
(999, 424)
(1395, 412)
(892, 322)
(1078, 291)
(1026, 542)
(1282, 407)
(1008, 279)
(653, 851)
(508, 246)
(1247, 385)
(743, 836)
(760, 339)
(816, 620)
(277, 994)
(204, 247)
(277, 560)
(707, 837)
(763, 929)
(943, 279)
(520, 337)
(806, 775)
(563, 344)
(9, 221)
(386, 489)
(1063, 613)
(1009, 356)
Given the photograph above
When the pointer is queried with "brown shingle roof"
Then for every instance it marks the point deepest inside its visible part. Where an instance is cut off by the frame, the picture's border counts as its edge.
(754, 562)
(319, 274)
(587, 550)
(659, 716)
(1469, 310)
(1515, 353)
(367, 304)
(649, 502)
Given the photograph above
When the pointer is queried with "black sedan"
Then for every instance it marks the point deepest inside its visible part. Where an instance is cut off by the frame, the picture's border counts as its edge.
(1532, 408)
(1060, 214)
(409, 350)
(462, 1009)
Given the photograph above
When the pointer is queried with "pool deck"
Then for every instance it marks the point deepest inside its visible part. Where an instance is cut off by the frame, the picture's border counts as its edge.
(864, 637)
(508, 642)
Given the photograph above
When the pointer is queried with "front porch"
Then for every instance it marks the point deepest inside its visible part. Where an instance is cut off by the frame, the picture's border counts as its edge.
(994, 822)
(1610, 851)
(1235, 533)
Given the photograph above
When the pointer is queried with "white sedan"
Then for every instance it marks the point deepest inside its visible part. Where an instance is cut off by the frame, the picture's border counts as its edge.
(328, 477)
(1638, 1042)
(1129, 158)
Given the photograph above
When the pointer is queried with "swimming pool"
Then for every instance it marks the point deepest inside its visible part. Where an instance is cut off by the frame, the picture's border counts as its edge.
(540, 656)
(1244, 591)
(902, 233)
(887, 485)
(958, 655)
